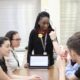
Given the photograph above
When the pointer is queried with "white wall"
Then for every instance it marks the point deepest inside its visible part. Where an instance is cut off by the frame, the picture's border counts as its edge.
(18, 15)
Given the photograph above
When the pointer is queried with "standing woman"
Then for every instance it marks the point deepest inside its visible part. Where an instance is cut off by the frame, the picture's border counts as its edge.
(39, 40)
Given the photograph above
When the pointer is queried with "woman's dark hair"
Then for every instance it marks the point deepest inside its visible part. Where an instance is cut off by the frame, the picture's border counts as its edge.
(74, 42)
(2, 40)
(10, 35)
(40, 15)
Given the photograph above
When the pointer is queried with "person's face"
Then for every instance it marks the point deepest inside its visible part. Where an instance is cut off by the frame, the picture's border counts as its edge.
(73, 55)
(16, 41)
(5, 48)
(44, 23)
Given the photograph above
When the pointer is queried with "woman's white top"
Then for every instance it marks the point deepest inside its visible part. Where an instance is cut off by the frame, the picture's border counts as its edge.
(11, 62)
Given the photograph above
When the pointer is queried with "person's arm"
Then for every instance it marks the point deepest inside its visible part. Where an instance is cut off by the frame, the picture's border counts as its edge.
(54, 42)
(62, 73)
(33, 77)
(60, 51)
(73, 78)
(3, 76)
(61, 67)
(56, 47)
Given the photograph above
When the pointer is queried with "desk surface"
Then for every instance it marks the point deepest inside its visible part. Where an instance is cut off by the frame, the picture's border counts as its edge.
(46, 74)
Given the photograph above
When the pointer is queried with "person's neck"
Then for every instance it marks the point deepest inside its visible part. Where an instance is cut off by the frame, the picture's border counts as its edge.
(42, 31)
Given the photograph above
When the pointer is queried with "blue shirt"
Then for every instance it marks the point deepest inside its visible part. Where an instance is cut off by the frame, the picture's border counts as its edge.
(71, 69)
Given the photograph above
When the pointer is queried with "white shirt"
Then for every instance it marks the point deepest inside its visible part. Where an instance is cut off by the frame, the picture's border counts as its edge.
(11, 62)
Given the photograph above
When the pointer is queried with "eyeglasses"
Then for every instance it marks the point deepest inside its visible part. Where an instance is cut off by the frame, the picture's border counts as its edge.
(18, 39)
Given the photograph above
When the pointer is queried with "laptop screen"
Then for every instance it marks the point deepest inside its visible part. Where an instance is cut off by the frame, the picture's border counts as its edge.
(39, 61)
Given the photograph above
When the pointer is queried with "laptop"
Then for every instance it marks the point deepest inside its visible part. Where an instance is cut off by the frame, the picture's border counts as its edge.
(38, 62)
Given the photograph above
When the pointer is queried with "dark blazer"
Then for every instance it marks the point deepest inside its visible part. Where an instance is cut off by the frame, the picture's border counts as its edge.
(36, 45)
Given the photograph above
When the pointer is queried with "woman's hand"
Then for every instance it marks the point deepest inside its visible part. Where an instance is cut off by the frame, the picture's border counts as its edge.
(52, 35)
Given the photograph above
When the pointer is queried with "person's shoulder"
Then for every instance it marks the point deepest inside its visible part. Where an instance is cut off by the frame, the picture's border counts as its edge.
(33, 32)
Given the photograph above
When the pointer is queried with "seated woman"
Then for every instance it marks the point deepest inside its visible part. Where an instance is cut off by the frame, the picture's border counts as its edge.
(4, 51)
(12, 59)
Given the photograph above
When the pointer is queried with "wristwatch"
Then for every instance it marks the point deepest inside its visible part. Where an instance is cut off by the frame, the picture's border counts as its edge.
(55, 39)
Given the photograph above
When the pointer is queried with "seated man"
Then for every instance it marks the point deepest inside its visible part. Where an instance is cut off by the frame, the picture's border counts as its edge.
(73, 68)
(73, 44)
